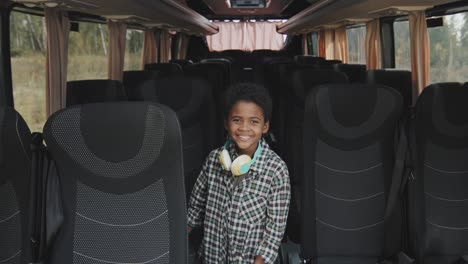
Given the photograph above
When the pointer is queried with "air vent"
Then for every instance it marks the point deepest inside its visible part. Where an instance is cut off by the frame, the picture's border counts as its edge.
(248, 3)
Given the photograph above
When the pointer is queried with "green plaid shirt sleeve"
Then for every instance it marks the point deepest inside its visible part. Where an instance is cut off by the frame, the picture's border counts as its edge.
(197, 201)
(277, 214)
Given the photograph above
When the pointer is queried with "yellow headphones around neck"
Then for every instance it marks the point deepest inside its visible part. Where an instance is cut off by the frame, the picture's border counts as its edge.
(241, 164)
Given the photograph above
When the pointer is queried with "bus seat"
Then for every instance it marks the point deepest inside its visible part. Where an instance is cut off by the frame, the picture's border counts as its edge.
(356, 72)
(121, 177)
(215, 74)
(137, 83)
(15, 211)
(192, 100)
(182, 63)
(226, 66)
(94, 91)
(166, 69)
(439, 190)
(348, 157)
(397, 79)
(303, 80)
(308, 59)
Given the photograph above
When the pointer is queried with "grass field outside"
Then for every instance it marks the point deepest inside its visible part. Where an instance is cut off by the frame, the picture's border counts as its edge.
(29, 80)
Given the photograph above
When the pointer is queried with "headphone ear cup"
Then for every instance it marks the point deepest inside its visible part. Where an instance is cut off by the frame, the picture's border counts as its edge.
(237, 165)
(225, 160)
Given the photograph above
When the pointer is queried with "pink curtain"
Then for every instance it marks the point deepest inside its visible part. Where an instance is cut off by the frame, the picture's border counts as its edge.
(305, 46)
(420, 52)
(165, 42)
(183, 46)
(329, 44)
(341, 45)
(57, 28)
(321, 44)
(117, 40)
(247, 36)
(373, 45)
(150, 48)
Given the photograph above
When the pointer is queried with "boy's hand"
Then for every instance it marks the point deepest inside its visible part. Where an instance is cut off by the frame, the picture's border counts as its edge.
(259, 260)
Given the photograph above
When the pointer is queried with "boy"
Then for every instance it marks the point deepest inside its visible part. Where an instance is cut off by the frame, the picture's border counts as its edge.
(242, 205)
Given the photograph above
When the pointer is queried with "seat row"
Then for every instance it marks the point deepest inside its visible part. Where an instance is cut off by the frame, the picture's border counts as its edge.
(364, 193)
(108, 188)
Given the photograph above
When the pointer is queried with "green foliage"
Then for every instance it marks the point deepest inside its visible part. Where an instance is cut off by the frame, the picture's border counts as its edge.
(448, 48)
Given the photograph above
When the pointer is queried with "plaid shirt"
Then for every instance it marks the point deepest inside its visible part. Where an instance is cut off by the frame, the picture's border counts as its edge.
(243, 221)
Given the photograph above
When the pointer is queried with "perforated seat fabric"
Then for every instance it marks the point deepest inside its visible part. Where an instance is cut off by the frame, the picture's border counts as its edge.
(121, 176)
(136, 82)
(303, 80)
(439, 193)
(15, 164)
(348, 151)
(356, 73)
(94, 91)
(166, 69)
(397, 79)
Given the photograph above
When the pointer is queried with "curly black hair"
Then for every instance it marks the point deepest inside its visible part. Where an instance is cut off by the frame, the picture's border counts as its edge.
(248, 92)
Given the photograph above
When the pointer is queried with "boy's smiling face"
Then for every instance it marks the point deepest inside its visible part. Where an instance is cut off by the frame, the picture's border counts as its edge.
(246, 125)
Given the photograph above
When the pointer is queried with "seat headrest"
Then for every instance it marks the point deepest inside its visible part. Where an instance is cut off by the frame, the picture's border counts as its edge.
(94, 91)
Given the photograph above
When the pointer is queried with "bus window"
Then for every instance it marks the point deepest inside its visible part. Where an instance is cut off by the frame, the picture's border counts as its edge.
(449, 54)
(87, 52)
(313, 43)
(402, 44)
(133, 49)
(28, 62)
(356, 44)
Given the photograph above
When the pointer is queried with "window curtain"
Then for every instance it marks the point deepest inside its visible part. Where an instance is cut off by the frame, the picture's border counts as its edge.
(150, 48)
(247, 36)
(182, 46)
(373, 45)
(57, 28)
(117, 39)
(165, 46)
(329, 44)
(420, 51)
(341, 45)
(321, 44)
(305, 46)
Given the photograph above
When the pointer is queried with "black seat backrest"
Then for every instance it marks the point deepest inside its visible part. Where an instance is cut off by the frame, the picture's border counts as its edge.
(397, 79)
(94, 91)
(121, 177)
(181, 63)
(303, 80)
(226, 66)
(15, 211)
(308, 59)
(193, 102)
(348, 157)
(166, 69)
(136, 82)
(439, 193)
(356, 72)
(213, 73)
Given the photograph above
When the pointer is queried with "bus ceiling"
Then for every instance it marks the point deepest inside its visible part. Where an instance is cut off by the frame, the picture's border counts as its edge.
(168, 14)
